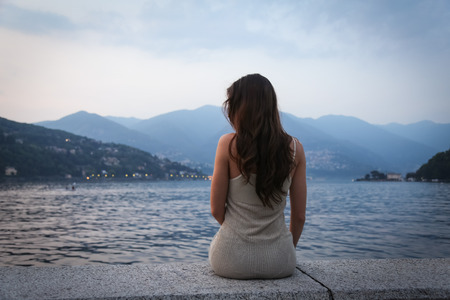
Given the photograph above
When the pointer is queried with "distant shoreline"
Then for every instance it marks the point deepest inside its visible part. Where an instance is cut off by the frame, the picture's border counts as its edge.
(392, 180)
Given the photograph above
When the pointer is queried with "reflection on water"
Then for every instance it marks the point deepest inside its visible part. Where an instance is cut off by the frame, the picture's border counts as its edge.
(154, 222)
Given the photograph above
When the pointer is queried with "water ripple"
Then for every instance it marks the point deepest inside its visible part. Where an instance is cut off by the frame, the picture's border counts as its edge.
(155, 222)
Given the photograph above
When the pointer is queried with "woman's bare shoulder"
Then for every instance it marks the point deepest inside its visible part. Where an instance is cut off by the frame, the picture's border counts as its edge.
(226, 138)
(300, 152)
(224, 143)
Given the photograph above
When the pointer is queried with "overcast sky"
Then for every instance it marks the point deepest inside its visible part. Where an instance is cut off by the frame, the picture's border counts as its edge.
(380, 61)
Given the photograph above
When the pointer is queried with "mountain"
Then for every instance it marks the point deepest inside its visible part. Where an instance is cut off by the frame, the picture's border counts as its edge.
(200, 124)
(103, 129)
(399, 153)
(189, 135)
(33, 151)
(127, 122)
(327, 155)
(424, 132)
(334, 145)
(192, 136)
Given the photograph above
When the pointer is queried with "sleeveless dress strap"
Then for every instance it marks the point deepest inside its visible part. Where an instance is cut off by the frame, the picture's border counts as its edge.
(295, 147)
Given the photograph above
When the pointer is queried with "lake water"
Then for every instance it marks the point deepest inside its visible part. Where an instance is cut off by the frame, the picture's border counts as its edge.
(157, 222)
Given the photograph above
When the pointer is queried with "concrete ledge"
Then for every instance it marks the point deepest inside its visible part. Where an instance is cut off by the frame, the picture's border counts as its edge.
(382, 278)
(349, 279)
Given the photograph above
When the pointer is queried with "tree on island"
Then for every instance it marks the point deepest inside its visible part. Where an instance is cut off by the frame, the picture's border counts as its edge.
(377, 175)
(373, 176)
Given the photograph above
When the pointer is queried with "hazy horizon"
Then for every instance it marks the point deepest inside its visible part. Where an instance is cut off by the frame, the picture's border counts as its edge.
(379, 61)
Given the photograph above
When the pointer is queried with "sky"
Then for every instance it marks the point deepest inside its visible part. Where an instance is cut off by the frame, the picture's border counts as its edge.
(381, 61)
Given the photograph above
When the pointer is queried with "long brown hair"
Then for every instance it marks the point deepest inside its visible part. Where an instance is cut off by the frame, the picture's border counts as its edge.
(263, 147)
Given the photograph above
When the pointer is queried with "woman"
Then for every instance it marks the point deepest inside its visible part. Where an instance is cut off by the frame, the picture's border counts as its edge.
(254, 170)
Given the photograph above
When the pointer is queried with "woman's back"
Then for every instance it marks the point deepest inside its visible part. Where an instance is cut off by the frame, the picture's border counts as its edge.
(253, 241)
(247, 216)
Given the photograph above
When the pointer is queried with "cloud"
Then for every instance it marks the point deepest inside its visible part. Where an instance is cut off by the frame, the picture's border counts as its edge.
(298, 28)
(32, 21)
(382, 61)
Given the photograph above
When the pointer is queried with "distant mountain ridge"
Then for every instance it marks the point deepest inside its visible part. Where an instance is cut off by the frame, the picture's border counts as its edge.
(397, 151)
(124, 121)
(425, 132)
(103, 129)
(334, 145)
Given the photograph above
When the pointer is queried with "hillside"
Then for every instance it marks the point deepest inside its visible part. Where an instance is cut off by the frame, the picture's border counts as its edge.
(436, 169)
(34, 151)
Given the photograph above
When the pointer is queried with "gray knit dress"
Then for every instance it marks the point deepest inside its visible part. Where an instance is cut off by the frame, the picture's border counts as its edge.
(253, 241)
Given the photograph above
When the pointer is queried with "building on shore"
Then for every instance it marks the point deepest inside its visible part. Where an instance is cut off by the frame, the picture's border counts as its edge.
(394, 177)
(10, 171)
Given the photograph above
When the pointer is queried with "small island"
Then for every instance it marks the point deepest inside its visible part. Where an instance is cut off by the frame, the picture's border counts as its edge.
(437, 169)
(378, 176)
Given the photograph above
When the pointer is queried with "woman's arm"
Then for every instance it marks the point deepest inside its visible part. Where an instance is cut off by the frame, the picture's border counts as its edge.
(297, 194)
(219, 184)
